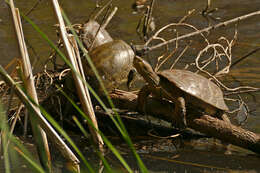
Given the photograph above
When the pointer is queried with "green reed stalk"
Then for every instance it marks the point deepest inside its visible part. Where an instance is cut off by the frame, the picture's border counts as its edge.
(118, 123)
(108, 168)
(4, 138)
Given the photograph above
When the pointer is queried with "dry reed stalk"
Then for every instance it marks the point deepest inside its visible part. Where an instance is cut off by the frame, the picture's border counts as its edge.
(84, 98)
(83, 91)
(40, 136)
(55, 138)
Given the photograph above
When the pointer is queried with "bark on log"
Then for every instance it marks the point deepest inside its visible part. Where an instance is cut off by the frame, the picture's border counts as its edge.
(226, 132)
(206, 124)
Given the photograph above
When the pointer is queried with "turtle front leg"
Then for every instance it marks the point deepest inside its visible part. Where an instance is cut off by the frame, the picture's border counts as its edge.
(180, 113)
(142, 96)
(225, 118)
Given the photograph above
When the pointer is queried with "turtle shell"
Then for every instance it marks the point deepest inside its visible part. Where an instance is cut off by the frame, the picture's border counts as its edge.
(113, 61)
(197, 86)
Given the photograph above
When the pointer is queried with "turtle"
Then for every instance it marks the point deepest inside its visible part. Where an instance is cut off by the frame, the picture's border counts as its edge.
(114, 62)
(182, 87)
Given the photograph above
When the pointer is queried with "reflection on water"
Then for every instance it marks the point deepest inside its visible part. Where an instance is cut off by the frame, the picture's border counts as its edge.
(123, 25)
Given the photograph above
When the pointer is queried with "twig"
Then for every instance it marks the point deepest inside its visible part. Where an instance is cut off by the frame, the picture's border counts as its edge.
(150, 11)
(101, 10)
(222, 24)
(175, 39)
(25, 124)
(111, 15)
(158, 65)
(217, 54)
(244, 57)
(181, 54)
(149, 17)
(33, 7)
(246, 90)
(103, 24)
(17, 115)
(146, 22)
(186, 16)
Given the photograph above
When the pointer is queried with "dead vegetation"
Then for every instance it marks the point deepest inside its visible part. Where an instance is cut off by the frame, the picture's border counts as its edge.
(214, 60)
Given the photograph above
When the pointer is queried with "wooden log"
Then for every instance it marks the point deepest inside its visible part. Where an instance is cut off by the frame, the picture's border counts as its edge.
(206, 124)
(226, 132)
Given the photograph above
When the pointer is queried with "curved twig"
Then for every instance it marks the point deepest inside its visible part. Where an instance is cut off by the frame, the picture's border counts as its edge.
(222, 24)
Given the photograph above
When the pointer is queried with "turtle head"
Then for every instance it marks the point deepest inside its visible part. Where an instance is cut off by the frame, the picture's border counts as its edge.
(145, 69)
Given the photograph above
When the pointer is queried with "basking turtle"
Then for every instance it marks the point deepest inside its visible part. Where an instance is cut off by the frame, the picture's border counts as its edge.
(182, 87)
(113, 60)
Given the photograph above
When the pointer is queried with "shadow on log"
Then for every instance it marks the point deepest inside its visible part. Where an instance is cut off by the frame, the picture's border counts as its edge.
(206, 124)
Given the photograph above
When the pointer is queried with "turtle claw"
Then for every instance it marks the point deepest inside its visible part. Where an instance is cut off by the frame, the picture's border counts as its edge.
(181, 125)
(180, 113)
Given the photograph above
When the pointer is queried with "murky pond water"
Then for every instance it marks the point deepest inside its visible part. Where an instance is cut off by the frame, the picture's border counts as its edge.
(123, 26)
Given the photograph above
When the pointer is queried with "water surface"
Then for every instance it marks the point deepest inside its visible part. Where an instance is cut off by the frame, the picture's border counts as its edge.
(123, 26)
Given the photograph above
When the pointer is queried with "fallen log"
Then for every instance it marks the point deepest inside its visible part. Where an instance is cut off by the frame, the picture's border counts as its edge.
(206, 124)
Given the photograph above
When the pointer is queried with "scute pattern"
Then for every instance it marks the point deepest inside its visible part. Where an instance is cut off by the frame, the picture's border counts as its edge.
(196, 85)
(113, 61)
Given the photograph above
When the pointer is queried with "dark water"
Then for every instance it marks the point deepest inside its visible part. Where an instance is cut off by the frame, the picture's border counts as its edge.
(123, 26)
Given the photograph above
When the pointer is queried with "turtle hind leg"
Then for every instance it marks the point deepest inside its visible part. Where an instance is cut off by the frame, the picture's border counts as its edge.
(223, 116)
(220, 114)
(180, 113)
